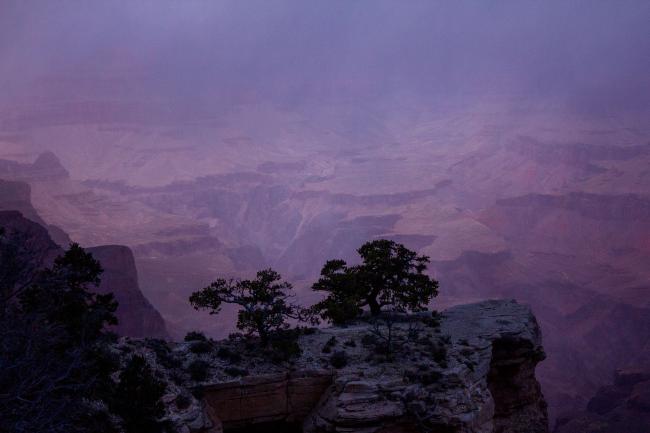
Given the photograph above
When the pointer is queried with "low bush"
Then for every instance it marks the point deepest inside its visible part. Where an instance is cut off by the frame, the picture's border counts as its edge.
(138, 398)
(329, 345)
(198, 370)
(201, 346)
(229, 355)
(183, 401)
(339, 359)
(234, 371)
(284, 346)
(195, 336)
(164, 355)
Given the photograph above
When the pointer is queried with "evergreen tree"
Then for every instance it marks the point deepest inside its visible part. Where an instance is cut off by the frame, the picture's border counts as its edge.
(137, 398)
(390, 275)
(264, 302)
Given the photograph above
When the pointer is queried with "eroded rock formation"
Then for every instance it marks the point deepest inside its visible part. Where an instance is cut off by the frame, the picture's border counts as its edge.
(16, 196)
(136, 316)
(288, 397)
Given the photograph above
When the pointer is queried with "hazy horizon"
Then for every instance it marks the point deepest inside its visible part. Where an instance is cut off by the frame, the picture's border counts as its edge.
(205, 56)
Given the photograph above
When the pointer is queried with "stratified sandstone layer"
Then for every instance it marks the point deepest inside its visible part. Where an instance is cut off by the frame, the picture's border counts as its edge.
(471, 372)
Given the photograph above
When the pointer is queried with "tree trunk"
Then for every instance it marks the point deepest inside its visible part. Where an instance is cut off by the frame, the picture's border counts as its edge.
(375, 308)
(264, 336)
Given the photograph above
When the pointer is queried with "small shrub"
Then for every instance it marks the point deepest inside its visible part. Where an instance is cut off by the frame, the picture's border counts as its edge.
(350, 343)
(157, 345)
(229, 355)
(430, 377)
(164, 355)
(369, 340)
(183, 401)
(439, 354)
(433, 321)
(198, 370)
(201, 346)
(177, 377)
(425, 376)
(234, 371)
(339, 359)
(413, 333)
(329, 345)
(195, 336)
(466, 352)
(236, 336)
(138, 398)
(284, 346)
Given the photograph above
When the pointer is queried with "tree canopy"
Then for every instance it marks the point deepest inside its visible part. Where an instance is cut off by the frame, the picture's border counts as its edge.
(264, 302)
(390, 275)
(53, 350)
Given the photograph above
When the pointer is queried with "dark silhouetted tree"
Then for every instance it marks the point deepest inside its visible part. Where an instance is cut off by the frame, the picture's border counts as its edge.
(53, 343)
(137, 398)
(264, 302)
(390, 275)
(64, 295)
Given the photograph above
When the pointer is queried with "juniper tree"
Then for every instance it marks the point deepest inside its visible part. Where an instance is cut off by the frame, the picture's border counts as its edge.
(264, 302)
(390, 275)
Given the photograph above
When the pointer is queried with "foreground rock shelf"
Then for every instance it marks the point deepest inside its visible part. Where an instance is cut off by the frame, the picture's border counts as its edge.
(474, 371)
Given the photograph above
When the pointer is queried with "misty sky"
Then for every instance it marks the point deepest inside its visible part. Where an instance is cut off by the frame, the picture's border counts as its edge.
(201, 52)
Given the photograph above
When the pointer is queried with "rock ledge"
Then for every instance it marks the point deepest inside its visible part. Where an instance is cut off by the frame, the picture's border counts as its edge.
(473, 372)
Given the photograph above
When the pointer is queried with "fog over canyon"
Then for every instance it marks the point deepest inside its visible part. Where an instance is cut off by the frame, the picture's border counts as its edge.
(509, 141)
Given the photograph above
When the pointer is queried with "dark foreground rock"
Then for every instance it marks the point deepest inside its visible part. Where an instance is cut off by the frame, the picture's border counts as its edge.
(473, 372)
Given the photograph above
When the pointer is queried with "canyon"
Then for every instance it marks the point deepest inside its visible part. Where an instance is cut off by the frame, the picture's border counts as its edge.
(505, 206)
(181, 142)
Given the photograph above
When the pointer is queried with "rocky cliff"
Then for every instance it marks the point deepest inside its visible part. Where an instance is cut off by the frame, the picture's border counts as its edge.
(470, 370)
(47, 167)
(17, 196)
(137, 318)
